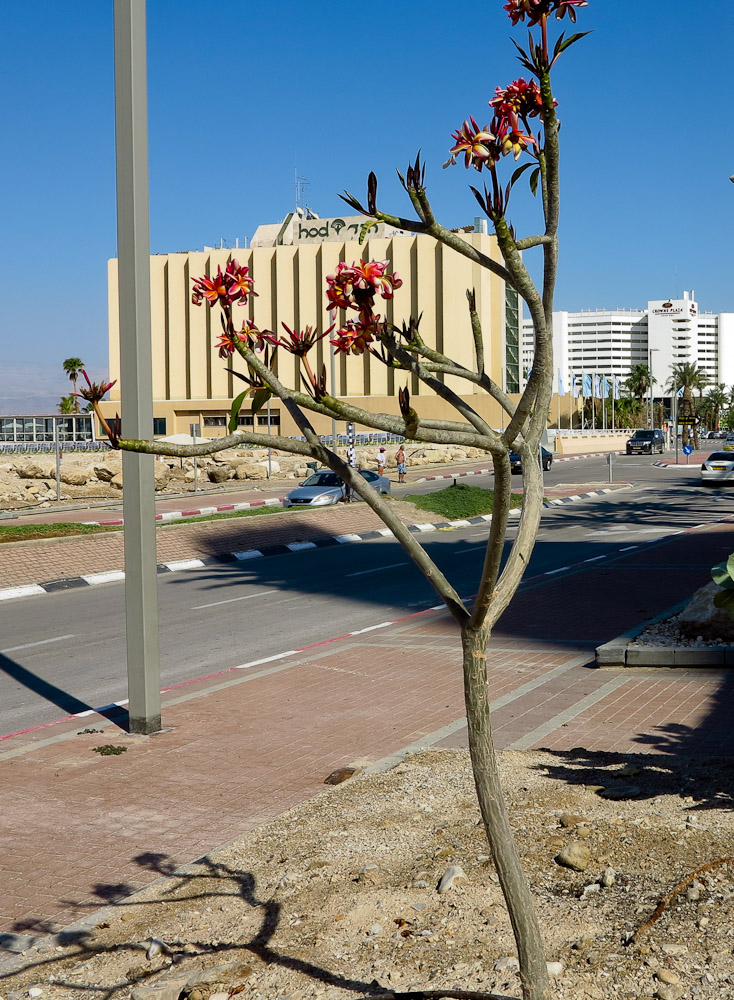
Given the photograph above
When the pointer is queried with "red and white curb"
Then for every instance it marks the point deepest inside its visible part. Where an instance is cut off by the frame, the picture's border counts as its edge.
(487, 472)
(177, 515)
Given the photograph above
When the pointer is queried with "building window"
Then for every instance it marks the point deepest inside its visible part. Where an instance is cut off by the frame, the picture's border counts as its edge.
(159, 426)
(215, 421)
(512, 338)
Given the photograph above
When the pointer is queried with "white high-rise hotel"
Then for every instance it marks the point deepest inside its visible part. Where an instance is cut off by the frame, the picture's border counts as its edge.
(611, 341)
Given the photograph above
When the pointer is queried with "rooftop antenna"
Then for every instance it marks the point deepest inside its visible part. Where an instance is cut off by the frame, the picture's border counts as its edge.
(301, 183)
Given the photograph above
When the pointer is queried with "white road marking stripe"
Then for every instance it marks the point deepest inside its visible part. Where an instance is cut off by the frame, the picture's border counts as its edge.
(371, 628)
(250, 554)
(560, 569)
(41, 642)
(377, 569)
(299, 546)
(233, 600)
(110, 577)
(266, 659)
(347, 538)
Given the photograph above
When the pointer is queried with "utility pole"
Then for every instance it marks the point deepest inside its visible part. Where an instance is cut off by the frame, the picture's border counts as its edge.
(136, 369)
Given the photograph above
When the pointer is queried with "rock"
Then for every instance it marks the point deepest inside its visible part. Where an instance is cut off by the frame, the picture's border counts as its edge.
(608, 878)
(35, 991)
(576, 856)
(375, 930)
(555, 969)
(508, 964)
(106, 471)
(251, 470)
(665, 992)
(274, 466)
(674, 949)
(667, 976)
(162, 475)
(590, 890)
(617, 792)
(31, 468)
(700, 618)
(219, 474)
(341, 774)
(116, 482)
(74, 475)
(569, 820)
(449, 877)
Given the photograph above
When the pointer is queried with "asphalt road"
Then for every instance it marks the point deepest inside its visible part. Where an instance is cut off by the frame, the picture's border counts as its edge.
(65, 652)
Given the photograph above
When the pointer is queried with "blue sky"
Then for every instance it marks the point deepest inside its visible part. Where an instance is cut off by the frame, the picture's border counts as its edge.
(243, 95)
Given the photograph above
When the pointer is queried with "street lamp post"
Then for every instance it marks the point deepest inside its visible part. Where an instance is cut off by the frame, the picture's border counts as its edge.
(136, 369)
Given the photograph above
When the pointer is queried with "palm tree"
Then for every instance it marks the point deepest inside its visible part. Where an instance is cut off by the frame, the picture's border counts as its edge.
(73, 368)
(716, 400)
(687, 376)
(638, 382)
(68, 404)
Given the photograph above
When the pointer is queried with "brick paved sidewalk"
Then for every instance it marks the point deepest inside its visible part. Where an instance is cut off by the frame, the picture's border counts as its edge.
(81, 830)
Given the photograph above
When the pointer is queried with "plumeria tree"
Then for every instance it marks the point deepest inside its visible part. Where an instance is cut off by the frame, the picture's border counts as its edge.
(523, 124)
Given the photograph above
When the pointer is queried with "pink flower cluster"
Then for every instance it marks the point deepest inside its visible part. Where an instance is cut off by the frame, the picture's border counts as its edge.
(234, 285)
(248, 334)
(536, 10)
(355, 287)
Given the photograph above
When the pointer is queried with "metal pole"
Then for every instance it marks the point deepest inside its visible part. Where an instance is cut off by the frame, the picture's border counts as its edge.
(57, 449)
(649, 368)
(675, 422)
(332, 375)
(136, 374)
(270, 452)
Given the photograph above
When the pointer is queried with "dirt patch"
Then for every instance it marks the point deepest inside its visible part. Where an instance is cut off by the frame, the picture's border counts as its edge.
(338, 898)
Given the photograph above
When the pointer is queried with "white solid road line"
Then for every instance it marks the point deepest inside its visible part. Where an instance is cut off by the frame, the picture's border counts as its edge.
(232, 600)
(377, 569)
(41, 642)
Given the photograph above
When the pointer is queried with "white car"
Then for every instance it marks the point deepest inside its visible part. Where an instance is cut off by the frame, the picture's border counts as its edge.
(324, 488)
(718, 467)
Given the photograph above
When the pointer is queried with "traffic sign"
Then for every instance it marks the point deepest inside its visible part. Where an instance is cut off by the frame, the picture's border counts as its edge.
(687, 450)
(687, 420)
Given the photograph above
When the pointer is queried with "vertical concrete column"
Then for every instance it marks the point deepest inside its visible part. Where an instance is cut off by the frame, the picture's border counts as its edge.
(136, 380)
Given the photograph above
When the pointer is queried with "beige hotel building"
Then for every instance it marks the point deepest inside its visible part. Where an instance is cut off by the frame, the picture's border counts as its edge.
(289, 263)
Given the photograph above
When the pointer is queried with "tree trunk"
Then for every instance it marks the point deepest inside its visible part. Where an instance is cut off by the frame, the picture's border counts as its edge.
(533, 971)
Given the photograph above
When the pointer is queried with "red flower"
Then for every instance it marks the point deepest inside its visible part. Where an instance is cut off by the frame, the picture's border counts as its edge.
(298, 342)
(521, 98)
(94, 391)
(232, 286)
(355, 286)
(536, 10)
(479, 146)
(355, 336)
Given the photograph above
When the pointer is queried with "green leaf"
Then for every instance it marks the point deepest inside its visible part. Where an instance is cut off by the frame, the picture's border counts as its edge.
(235, 411)
(519, 172)
(259, 399)
(720, 574)
(730, 565)
(365, 228)
(534, 180)
(725, 601)
(570, 40)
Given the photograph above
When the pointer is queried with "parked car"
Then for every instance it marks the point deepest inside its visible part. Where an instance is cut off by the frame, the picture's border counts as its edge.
(718, 467)
(325, 487)
(516, 461)
(728, 444)
(646, 441)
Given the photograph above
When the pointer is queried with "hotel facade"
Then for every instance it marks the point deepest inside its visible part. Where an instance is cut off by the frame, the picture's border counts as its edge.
(611, 342)
(289, 263)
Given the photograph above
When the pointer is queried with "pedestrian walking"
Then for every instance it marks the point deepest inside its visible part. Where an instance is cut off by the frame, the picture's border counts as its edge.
(381, 458)
(400, 459)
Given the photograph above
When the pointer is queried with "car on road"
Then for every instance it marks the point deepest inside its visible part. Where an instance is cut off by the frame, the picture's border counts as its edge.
(646, 442)
(728, 444)
(325, 487)
(718, 468)
(516, 461)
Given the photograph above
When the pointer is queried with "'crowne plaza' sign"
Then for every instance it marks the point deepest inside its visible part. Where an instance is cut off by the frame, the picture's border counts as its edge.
(333, 230)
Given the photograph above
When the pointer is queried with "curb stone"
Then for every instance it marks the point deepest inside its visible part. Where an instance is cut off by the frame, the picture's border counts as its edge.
(618, 653)
(113, 576)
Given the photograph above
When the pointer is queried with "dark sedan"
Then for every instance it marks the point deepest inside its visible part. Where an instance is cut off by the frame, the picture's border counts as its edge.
(516, 461)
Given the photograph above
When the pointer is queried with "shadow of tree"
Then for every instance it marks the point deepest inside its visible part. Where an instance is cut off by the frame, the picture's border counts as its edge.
(83, 945)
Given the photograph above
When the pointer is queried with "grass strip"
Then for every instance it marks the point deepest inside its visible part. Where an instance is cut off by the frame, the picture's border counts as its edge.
(460, 501)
